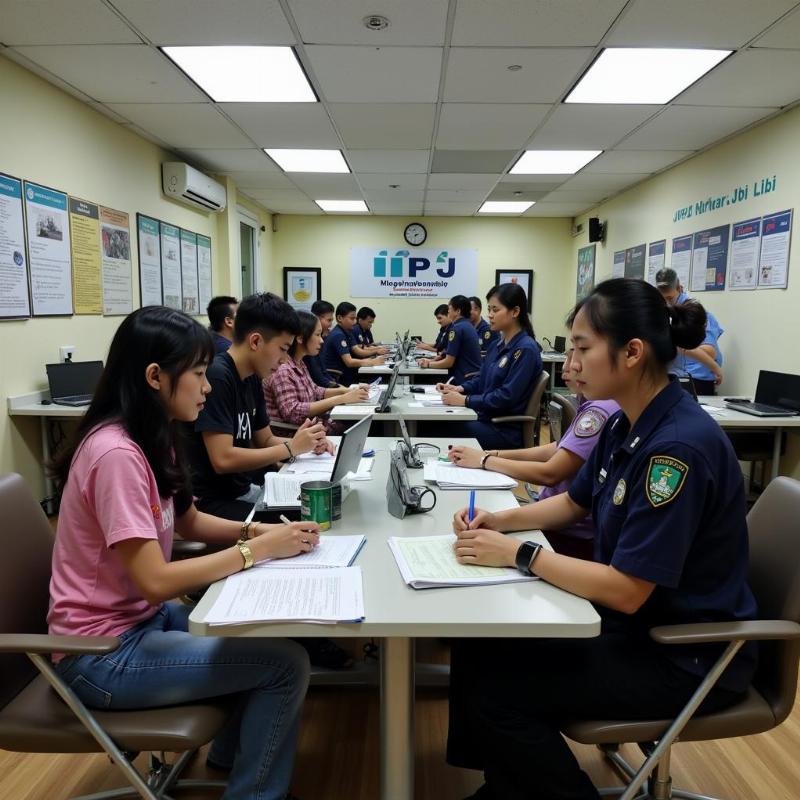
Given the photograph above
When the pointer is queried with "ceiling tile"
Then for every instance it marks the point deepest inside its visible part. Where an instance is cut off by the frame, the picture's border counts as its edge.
(260, 180)
(583, 198)
(753, 77)
(58, 22)
(117, 73)
(617, 161)
(204, 22)
(462, 182)
(691, 127)
(395, 197)
(686, 23)
(293, 201)
(504, 191)
(481, 75)
(542, 209)
(327, 187)
(407, 126)
(489, 126)
(481, 162)
(537, 182)
(785, 34)
(602, 183)
(383, 180)
(412, 22)
(197, 125)
(399, 161)
(589, 127)
(396, 211)
(294, 125)
(228, 161)
(377, 74)
(99, 107)
(532, 23)
(455, 196)
(451, 209)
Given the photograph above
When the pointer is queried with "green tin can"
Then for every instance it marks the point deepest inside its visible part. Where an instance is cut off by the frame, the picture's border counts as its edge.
(316, 503)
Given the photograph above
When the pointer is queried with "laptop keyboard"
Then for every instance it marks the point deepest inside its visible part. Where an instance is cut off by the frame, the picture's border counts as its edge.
(763, 408)
(74, 400)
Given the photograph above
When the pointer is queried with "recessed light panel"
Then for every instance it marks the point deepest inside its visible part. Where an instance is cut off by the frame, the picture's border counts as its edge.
(308, 160)
(505, 207)
(356, 206)
(553, 162)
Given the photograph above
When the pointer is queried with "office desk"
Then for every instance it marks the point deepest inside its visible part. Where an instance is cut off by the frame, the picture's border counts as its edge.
(396, 613)
(410, 371)
(548, 362)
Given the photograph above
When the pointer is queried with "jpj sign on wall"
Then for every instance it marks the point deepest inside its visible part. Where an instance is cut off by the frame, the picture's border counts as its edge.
(377, 272)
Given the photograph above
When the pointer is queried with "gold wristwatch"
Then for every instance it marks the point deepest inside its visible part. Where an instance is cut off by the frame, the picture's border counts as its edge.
(247, 553)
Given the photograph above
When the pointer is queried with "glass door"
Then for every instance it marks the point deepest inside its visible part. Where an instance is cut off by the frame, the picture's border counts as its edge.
(247, 251)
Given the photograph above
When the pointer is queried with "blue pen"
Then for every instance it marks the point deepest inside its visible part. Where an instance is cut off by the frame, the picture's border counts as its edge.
(368, 453)
(471, 505)
(376, 382)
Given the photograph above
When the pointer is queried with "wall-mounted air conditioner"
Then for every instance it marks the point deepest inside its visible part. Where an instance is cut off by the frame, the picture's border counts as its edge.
(190, 186)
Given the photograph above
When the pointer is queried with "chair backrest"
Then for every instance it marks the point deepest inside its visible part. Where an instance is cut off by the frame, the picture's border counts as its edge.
(567, 409)
(554, 416)
(26, 542)
(774, 533)
(534, 410)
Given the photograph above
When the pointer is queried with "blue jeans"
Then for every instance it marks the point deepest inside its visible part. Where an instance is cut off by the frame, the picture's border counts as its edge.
(159, 663)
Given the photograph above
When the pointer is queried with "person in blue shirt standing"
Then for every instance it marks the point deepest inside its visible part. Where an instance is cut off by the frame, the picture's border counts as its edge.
(507, 376)
(463, 353)
(337, 352)
(667, 498)
(221, 314)
(703, 363)
(482, 327)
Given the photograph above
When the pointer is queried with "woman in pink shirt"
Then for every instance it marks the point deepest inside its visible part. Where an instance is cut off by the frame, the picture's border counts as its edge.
(125, 492)
(291, 394)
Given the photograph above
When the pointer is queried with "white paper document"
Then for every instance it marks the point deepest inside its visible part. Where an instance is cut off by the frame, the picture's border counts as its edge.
(290, 595)
(332, 551)
(449, 476)
(282, 490)
(426, 562)
(324, 469)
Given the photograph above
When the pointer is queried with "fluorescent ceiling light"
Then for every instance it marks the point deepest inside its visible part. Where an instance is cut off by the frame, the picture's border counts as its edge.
(245, 74)
(553, 162)
(343, 205)
(643, 75)
(309, 160)
(505, 207)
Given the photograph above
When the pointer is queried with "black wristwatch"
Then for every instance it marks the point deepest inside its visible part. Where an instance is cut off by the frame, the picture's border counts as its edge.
(526, 555)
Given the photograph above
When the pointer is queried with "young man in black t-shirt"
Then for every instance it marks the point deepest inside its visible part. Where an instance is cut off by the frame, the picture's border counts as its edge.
(232, 440)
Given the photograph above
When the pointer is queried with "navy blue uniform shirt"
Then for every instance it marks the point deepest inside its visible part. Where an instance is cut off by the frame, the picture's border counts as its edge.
(462, 343)
(339, 342)
(668, 504)
(507, 377)
(441, 339)
(317, 373)
(485, 335)
(363, 335)
(221, 344)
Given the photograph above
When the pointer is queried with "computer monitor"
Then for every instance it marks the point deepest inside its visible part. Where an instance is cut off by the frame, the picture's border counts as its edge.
(348, 457)
(72, 383)
(384, 404)
(560, 344)
(778, 389)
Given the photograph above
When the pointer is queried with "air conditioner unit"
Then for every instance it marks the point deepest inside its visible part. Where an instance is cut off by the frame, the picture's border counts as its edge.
(190, 186)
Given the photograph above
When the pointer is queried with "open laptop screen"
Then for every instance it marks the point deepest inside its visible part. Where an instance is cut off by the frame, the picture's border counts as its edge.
(778, 389)
(69, 379)
(350, 449)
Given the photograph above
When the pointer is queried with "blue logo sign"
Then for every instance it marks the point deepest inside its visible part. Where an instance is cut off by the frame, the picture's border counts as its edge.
(403, 264)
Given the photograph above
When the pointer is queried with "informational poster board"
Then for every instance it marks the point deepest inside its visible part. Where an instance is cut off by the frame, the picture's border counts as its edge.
(115, 242)
(710, 259)
(618, 265)
(203, 271)
(656, 258)
(87, 274)
(634, 261)
(171, 265)
(682, 258)
(149, 261)
(745, 245)
(14, 300)
(48, 250)
(585, 280)
(773, 261)
(191, 297)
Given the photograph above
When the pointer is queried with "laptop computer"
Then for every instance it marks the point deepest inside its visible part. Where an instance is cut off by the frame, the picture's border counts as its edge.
(559, 345)
(72, 383)
(777, 395)
(385, 399)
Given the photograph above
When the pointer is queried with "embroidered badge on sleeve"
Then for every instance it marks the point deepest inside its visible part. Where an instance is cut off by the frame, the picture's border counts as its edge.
(451, 335)
(665, 479)
(590, 423)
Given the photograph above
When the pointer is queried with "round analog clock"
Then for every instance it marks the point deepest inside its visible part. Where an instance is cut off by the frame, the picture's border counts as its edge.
(415, 234)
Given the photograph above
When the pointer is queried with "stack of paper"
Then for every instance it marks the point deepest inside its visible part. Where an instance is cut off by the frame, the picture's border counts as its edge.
(289, 595)
(449, 476)
(332, 551)
(427, 562)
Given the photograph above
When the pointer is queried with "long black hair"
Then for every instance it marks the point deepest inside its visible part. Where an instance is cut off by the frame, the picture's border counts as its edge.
(622, 309)
(308, 324)
(153, 334)
(512, 296)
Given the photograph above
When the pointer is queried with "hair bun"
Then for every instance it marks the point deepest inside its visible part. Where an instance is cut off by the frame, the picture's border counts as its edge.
(687, 324)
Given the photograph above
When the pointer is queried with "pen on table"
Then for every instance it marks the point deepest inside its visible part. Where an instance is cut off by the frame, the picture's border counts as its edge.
(376, 382)
(283, 518)
(449, 381)
(471, 505)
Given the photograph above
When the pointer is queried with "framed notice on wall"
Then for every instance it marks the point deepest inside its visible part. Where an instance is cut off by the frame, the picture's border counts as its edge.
(773, 261)
(171, 266)
(14, 301)
(655, 259)
(149, 261)
(302, 286)
(522, 277)
(115, 237)
(204, 271)
(634, 261)
(710, 259)
(585, 281)
(618, 265)
(191, 292)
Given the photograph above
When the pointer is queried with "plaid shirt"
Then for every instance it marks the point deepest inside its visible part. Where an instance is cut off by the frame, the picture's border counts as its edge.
(289, 393)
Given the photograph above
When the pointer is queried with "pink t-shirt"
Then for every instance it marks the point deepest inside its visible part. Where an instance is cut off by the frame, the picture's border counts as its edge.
(110, 496)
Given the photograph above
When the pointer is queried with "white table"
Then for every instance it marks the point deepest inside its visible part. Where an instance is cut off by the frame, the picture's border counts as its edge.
(549, 360)
(411, 371)
(397, 614)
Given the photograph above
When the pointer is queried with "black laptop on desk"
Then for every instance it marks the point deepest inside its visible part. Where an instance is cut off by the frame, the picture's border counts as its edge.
(72, 383)
(777, 395)
(559, 346)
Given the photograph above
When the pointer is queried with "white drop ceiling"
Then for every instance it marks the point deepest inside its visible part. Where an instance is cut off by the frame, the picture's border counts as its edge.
(426, 112)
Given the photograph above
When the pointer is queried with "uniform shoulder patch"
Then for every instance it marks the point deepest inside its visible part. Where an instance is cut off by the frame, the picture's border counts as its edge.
(451, 335)
(344, 342)
(487, 334)
(517, 354)
(665, 479)
(590, 423)
(503, 361)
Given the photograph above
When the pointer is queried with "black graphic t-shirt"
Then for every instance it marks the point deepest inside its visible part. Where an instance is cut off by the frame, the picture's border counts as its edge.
(233, 406)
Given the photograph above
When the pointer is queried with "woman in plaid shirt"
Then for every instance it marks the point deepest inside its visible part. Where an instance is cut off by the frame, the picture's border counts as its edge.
(291, 394)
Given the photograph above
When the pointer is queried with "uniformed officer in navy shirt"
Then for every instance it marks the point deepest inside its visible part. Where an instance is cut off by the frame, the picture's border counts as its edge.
(337, 352)
(507, 375)
(221, 312)
(463, 354)
(482, 327)
(667, 499)
(440, 343)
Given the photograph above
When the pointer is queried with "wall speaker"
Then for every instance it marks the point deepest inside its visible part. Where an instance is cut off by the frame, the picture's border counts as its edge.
(597, 231)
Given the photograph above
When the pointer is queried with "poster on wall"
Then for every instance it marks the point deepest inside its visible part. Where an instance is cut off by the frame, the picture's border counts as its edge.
(682, 258)
(421, 272)
(171, 265)
(618, 265)
(87, 275)
(773, 261)
(745, 244)
(115, 237)
(585, 282)
(710, 259)
(302, 286)
(149, 261)
(203, 271)
(191, 298)
(656, 255)
(522, 277)
(634, 261)
(48, 250)
(14, 300)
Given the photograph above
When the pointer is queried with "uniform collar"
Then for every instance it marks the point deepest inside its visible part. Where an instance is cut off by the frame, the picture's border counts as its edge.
(513, 342)
(462, 319)
(659, 406)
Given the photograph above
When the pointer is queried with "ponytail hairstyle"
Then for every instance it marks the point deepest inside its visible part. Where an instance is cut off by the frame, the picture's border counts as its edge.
(622, 309)
(308, 324)
(512, 295)
(153, 334)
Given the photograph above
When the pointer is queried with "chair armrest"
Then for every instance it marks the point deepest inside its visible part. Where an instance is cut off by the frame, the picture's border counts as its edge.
(44, 643)
(515, 418)
(183, 548)
(704, 632)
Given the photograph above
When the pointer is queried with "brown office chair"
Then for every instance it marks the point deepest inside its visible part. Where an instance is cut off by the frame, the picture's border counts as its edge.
(39, 713)
(533, 411)
(775, 581)
(561, 412)
(336, 374)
